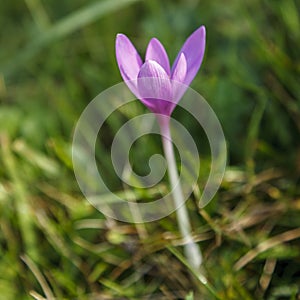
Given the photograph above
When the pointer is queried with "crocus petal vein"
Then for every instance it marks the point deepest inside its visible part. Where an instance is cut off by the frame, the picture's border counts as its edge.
(178, 78)
(154, 86)
(179, 72)
(129, 61)
(193, 50)
(156, 51)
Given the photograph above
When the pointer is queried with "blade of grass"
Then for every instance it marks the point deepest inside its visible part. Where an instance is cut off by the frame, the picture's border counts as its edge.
(198, 275)
(38, 13)
(21, 203)
(253, 131)
(39, 277)
(36, 296)
(62, 28)
(265, 245)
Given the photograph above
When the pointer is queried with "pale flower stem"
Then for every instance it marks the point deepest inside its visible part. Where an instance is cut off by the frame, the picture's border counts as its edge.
(191, 249)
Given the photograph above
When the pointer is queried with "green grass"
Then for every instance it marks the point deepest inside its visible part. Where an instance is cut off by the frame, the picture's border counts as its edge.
(55, 57)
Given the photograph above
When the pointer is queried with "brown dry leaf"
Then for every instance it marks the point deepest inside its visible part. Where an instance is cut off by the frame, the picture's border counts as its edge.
(266, 245)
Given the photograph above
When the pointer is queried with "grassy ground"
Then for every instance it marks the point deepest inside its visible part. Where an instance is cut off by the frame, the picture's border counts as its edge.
(54, 58)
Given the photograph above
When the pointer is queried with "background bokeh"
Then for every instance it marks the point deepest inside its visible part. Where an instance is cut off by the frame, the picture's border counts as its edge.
(55, 57)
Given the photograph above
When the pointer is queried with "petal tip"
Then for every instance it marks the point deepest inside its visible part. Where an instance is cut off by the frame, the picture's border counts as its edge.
(156, 52)
(201, 31)
(149, 68)
(128, 59)
(179, 72)
(120, 37)
(153, 40)
(182, 56)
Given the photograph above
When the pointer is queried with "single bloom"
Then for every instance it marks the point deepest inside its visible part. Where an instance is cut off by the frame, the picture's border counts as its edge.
(153, 81)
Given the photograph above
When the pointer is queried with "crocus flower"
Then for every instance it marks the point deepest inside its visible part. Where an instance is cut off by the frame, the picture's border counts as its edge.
(162, 92)
(160, 87)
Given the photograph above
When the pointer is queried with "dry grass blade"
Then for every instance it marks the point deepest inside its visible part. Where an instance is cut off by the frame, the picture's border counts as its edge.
(256, 215)
(39, 277)
(36, 296)
(266, 277)
(266, 245)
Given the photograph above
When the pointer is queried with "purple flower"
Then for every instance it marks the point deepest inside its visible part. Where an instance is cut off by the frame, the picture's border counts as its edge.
(157, 85)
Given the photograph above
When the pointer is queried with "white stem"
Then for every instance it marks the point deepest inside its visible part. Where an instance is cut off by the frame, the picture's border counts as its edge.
(191, 249)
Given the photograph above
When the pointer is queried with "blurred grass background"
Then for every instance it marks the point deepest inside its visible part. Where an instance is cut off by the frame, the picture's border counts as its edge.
(57, 56)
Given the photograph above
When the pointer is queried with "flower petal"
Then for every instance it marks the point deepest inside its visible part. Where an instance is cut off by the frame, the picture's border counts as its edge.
(129, 61)
(178, 78)
(193, 50)
(179, 72)
(156, 51)
(155, 88)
